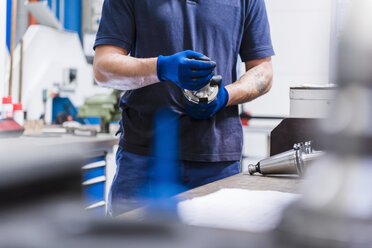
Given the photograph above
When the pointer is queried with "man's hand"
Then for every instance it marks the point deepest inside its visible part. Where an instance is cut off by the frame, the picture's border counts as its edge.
(189, 70)
(206, 111)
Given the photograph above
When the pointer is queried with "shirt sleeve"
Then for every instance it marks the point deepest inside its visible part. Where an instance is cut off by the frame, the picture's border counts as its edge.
(117, 25)
(256, 41)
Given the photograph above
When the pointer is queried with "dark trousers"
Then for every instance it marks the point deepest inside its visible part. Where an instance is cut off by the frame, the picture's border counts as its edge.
(132, 176)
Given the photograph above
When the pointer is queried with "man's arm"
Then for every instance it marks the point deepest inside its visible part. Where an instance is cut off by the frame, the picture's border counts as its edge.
(114, 69)
(256, 82)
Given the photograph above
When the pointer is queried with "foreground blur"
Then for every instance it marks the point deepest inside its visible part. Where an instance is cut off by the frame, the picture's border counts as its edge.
(41, 192)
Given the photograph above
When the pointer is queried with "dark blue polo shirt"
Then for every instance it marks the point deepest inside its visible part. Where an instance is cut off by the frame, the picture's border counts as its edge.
(220, 29)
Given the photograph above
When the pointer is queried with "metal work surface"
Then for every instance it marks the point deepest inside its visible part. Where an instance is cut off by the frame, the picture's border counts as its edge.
(288, 184)
(282, 183)
(27, 151)
(56, 139)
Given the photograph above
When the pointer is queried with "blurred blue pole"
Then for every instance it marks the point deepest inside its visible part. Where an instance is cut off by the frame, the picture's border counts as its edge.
(72, 17)
(166, 165)
(165, 178)
(57, 9)
(8, 21)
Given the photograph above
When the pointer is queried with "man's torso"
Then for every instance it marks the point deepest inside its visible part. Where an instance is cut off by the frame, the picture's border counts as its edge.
(164, 27)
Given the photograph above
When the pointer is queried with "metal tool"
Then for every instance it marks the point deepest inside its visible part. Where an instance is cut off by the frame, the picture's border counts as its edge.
(208, 93)
(291, 162)
(205, 95)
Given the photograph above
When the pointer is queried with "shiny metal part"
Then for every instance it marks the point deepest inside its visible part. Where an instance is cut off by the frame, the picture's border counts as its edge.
(205, 95)
(291, 162)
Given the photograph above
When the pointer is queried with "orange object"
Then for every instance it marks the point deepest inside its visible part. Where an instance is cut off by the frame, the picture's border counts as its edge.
(245, 122)
(244, 118)
(31, 18)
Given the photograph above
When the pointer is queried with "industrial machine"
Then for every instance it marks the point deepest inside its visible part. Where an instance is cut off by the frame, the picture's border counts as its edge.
(103, 106)
(53, 64)
(294, 161)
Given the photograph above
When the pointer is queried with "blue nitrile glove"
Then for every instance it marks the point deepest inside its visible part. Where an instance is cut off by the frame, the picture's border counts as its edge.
(189, 70)
(206, 111)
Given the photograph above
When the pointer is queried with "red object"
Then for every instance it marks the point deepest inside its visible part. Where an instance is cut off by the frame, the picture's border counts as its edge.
(7, 100)
(17, 106)
(244, 118)
(69, 118)
(245, 122)
(10, 128)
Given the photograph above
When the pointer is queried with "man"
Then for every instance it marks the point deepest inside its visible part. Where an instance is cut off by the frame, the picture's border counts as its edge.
(167, 41)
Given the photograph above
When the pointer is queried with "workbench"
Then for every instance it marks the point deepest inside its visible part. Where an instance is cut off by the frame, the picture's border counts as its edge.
(29, 153)
(285, 183)
(56, 139)
(282, 183)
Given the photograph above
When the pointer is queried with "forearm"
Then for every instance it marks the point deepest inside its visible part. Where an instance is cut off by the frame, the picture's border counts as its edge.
(114, 69)
(256, 82)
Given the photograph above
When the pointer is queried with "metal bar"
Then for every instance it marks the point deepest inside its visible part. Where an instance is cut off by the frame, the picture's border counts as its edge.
(62, 11)
(12, 43)
(20, 72)
(267, 117)
(54, 7)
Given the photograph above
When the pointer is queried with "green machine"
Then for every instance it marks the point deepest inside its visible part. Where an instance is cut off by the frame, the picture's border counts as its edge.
(104, 106)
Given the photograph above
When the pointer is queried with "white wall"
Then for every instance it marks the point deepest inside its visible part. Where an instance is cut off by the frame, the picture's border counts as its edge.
(301, 38)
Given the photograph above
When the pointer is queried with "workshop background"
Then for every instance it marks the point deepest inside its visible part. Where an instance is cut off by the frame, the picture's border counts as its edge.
(317, 113)
(302, 34)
